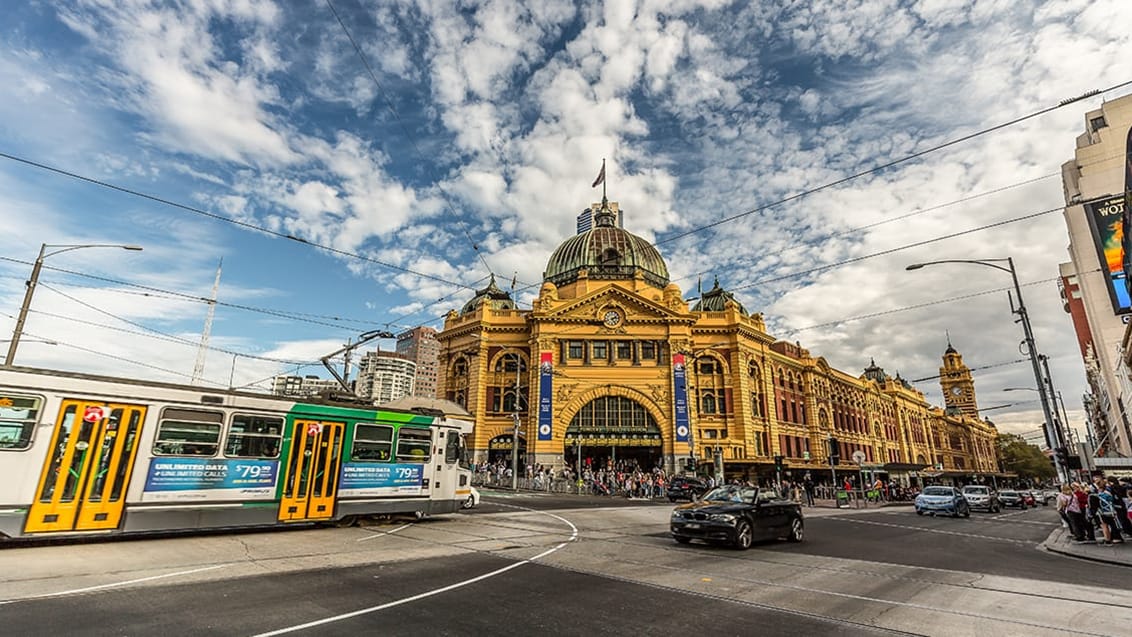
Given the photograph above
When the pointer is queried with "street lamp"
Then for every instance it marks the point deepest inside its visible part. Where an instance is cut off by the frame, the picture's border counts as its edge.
(1044, 385)
(43, 254)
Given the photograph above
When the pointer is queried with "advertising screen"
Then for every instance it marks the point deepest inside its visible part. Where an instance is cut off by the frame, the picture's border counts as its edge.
(1106, 218)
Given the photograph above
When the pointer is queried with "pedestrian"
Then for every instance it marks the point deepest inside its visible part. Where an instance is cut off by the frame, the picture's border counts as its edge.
(1063, 500)
(808, 487)
(1120, 496)
(1081, 513)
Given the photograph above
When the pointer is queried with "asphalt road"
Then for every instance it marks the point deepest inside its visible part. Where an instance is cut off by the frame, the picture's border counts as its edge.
(561, 565)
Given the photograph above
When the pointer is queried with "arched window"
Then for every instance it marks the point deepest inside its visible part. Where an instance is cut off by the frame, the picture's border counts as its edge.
(508, 388)
(711, 386)
(610, 257)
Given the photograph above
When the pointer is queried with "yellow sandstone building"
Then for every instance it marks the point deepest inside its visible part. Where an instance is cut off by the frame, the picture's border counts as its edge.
(612, 364)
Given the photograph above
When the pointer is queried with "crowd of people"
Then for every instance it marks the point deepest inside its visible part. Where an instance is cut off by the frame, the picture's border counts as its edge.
(1104, 505)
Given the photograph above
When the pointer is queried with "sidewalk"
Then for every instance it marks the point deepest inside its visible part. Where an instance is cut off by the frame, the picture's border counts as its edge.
(1061, 541)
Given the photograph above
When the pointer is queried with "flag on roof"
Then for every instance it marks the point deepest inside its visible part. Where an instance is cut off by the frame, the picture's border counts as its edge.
(600, 176)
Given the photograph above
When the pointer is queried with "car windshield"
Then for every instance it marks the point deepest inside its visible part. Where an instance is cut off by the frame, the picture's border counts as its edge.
(938, 491)
(1011, 493)
(731, 494)
(976, 490)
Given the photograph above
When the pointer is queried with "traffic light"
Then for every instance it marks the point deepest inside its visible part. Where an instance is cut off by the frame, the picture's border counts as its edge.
(1061, 456)
(834, 451)
(689, 465)
(778, 463)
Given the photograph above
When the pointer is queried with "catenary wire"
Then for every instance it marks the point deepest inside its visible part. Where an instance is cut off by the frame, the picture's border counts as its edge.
(896, 162)
(220, 217)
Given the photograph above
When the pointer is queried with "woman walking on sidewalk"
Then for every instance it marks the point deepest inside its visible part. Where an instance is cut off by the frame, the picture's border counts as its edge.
(1078, 513)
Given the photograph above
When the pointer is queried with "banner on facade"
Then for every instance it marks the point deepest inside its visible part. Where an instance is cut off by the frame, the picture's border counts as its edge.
(1106, 218)
(680, 398)
(545, 391)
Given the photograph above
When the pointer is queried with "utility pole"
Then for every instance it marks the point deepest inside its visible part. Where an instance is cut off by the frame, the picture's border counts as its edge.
(202, 351)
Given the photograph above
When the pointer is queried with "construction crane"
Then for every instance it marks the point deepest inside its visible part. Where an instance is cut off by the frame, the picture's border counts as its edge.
(202, 350)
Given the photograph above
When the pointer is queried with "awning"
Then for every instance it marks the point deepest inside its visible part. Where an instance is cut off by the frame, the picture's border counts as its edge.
(905, 466)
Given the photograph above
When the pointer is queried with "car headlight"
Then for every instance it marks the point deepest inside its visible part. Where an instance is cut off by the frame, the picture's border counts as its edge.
(721, 517)
(677, 514)
(919, 500)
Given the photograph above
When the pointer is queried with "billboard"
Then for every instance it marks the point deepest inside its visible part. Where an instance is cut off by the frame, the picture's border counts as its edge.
(1127, 242)
(1106, 218)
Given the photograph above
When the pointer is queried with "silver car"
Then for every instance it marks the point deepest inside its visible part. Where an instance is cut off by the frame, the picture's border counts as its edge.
(981, 498)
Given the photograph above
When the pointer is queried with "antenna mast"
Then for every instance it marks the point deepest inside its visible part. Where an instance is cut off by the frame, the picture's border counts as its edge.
(202, 351)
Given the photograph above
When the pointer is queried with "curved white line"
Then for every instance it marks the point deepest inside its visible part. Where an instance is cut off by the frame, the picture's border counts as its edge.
(445, 589)
(114, 584)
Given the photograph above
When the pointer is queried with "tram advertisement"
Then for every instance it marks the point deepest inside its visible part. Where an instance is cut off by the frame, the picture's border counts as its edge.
(190, 478)
(680, 396)
(545, 391)
(369, 478)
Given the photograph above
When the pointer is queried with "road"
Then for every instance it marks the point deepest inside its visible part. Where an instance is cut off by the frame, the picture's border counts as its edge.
(533, 564)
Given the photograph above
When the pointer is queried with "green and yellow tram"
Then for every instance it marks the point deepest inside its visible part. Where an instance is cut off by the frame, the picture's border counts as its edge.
(83, 454)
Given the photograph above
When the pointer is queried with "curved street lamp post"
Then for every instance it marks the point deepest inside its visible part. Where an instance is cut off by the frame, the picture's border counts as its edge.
(31, 283)
(1045, 384)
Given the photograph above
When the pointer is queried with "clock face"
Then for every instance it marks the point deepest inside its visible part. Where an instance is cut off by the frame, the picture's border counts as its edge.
(611, 318)
(955, 391)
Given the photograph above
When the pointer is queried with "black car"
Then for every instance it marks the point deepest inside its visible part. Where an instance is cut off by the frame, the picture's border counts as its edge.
(1012, 499)
(686, 488)
(738, 516)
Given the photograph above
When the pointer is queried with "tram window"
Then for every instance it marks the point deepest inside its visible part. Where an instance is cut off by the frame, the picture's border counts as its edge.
(452, 449)
(188, 432)
(251, 436)
(18, 416)
(413, 445)
(372, 443)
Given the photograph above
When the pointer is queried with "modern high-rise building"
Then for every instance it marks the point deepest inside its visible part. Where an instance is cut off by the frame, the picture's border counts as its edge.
(384, 377)
(420, 346)
(1094, 184)
(586, 219)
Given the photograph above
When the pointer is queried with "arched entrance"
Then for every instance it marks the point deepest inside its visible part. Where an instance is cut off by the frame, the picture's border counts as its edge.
(613, 431)
(499, 449)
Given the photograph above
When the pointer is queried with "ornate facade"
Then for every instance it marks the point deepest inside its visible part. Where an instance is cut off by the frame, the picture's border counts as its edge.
(612, 363)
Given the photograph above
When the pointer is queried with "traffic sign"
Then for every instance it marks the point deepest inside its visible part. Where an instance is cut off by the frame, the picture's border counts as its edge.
(94, 413)
(858, 456)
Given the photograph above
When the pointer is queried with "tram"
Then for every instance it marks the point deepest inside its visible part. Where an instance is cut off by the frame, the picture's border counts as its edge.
(85, 454)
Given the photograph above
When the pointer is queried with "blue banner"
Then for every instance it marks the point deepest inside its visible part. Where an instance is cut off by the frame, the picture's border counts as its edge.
(680, 398)
(545, 391)
(373, 475)
(196, 474)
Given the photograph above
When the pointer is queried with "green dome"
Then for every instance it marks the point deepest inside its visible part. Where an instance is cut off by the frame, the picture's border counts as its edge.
(606, 252)
(715, 300)
(498, 299)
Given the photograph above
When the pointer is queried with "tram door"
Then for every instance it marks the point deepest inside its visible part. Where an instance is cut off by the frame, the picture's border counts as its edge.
(311, 482)
(84, 480)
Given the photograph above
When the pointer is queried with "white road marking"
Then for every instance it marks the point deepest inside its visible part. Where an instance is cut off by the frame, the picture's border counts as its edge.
(929, 530)
(114, 584)
(381, 533)
(445, 589)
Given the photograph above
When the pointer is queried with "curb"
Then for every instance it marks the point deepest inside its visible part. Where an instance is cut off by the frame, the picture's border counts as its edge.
(1050, 547)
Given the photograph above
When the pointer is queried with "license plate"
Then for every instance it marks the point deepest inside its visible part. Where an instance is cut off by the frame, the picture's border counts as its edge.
(693, 525)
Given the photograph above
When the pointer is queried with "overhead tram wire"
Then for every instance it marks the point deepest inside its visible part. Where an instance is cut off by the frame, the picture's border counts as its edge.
(150, 332)
(898, 161)
(922, 305)
(906, 246)
(192, 297)
(218, 217)
(817, 240)
(405, 131)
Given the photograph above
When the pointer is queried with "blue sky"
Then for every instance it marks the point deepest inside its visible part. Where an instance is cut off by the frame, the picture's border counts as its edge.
(472, 146)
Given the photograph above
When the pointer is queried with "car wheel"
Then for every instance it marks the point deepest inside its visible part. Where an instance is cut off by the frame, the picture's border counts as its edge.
(797, 531)
(967, 512)
(682, 539)
(919, 512)
(743, 535)
(469, 503)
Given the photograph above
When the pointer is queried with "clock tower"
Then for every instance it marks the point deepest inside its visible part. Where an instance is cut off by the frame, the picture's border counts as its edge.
(958, 387)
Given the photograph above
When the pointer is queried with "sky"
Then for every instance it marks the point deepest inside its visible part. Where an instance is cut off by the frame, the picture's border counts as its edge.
(366, 165)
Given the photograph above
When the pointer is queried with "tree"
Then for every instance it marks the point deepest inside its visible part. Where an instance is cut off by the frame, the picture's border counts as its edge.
(1022, 458)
